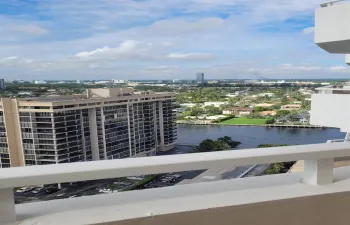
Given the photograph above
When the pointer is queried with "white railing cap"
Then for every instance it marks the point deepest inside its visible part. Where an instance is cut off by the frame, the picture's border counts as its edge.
(70, 172)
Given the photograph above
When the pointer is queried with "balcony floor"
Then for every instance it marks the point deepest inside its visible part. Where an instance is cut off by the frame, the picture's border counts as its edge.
(237, 201)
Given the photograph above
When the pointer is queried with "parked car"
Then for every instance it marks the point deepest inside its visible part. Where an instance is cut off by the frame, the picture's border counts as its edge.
(37, 190)
(51, 190)
(104, 190)
(24, 189)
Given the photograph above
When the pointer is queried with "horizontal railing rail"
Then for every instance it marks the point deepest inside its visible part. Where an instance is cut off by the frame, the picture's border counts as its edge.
(70, 172)
(319, 163)
(337, 141)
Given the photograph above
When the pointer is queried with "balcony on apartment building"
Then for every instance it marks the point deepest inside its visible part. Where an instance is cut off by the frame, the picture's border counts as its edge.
(332, 22)
(330, 107)
(316, 196)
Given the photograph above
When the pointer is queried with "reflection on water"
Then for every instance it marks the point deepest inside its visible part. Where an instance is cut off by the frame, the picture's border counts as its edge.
(253, 136)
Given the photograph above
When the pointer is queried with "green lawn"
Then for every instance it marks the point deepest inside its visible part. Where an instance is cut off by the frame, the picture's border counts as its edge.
(244, 121)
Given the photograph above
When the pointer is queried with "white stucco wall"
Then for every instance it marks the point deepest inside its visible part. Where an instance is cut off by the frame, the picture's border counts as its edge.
(332, 31)
(331, 110)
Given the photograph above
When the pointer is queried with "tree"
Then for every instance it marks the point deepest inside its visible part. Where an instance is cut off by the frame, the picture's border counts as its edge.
(207, 145)
(228, 140)
(220, 144)
(212, 110)
(277, 168)
(284, 100)
(276, 106)
(270, 121)
(306, 105)
(282, 113)
(196, 111)
(258, 109)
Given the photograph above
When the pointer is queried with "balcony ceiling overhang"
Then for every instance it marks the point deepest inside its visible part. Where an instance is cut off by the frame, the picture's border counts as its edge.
(332, 28)
(347, 59)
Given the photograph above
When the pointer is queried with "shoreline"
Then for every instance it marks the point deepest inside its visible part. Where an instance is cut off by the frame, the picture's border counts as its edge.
(255, 125)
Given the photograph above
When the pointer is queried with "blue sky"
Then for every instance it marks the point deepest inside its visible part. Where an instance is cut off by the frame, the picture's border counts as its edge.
(168, 39)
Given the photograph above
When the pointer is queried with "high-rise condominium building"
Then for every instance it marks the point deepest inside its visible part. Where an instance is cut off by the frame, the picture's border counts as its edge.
(103, 124)
(200, 78)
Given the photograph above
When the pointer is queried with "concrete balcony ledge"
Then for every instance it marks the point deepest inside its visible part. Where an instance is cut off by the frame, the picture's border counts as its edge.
(239, 201)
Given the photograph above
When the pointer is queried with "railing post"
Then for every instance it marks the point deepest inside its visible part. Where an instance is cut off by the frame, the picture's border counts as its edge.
(7, 206)
(319, 171)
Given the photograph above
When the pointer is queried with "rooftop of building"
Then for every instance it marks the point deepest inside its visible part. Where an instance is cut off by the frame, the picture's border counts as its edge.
(240, 108)
(345, 86)
(98, 93)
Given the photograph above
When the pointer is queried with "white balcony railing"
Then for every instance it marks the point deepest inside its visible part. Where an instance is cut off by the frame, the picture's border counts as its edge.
(319, 159)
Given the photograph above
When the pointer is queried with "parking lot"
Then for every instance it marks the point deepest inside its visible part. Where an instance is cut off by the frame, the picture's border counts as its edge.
(79, 189)
(105, 186)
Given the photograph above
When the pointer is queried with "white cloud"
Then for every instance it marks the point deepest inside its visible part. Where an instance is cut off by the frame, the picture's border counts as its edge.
(309, 30)
(29, 29)
(15, 60)
(126, 49)
(161, 67)
(339, 69)
(15, 29)
(176, 27)
(167, 44)
(9, 58)
(93, 65)
(142, 37)
(93, 52)
(190, 56)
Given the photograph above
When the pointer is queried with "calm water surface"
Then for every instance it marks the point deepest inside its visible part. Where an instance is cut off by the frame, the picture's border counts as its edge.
(254, 136)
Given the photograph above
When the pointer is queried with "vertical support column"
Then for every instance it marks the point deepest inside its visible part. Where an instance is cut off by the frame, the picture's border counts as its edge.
(319, 171)
(161, 125)
(82, 133)
(129, 129)
(13, 132)
(53, 135)
(32, 121)
(7, 206)
(93, 134)
(104, 133)
(134, 129)
(155, 125)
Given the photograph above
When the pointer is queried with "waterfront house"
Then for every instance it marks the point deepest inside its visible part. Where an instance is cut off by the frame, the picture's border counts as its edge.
(291, 107)
(266, 95)
(215, 104)
(264, 105)
(237, 111)
(282, 120)
(267, 113)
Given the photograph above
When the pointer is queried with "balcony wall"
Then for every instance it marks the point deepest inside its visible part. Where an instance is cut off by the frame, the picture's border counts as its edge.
(331, 110)
(269, 200)
(332, 31)
(347, 59)
(317, 196)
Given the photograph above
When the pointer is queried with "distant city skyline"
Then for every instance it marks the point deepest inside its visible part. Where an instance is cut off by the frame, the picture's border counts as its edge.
(239, 39)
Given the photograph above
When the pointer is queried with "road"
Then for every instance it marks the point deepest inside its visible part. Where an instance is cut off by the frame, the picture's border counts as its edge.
(258, 170)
